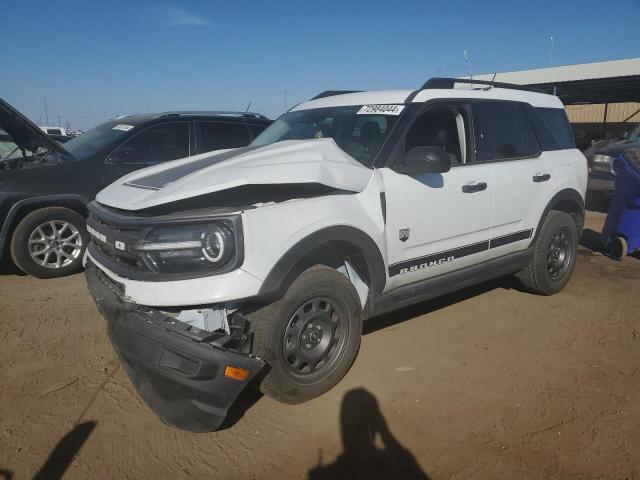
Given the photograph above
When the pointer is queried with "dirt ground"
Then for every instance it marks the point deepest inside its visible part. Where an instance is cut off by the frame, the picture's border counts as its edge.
(488, 383)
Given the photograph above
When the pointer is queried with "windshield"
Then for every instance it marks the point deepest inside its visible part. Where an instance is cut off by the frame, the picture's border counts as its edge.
(94, 140)
(635, 134)
(359, 130)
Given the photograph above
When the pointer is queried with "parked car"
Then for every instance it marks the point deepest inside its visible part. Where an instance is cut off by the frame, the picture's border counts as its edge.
(54, 131)
(45, 187)
(348, 206)
(601, 161)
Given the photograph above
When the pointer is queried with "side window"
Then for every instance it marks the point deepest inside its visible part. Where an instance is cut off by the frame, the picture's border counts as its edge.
(219, 135)
(444, 127)
(556, 121)
(156, 144)
(256, 130)
(501, 131)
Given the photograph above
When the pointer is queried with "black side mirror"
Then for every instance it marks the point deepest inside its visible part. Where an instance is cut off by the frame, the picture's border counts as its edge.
(425, 160)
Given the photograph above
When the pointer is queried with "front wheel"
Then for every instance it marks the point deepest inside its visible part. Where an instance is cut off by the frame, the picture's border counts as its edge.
(310, 337)
(49, 242)
(554, 255)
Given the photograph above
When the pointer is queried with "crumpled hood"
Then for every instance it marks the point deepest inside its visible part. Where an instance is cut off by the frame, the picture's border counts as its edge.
(318, 161)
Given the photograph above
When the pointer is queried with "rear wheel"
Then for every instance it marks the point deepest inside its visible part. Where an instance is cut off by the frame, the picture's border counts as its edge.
(554, 255)
(49, 242)
(310, 337)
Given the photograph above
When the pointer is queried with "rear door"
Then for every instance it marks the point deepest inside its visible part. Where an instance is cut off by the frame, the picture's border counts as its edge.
(218, 135)
(524, 177)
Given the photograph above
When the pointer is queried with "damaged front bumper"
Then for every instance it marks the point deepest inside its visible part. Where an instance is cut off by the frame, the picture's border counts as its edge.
(178, 370)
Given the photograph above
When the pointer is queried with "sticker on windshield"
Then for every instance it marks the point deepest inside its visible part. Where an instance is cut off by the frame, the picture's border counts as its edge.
(381, 109)
(123, 127)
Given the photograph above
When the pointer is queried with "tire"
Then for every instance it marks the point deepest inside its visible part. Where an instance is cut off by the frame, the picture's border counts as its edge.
(298, 372)
(547, 274)
(618, 248)
(35, 233)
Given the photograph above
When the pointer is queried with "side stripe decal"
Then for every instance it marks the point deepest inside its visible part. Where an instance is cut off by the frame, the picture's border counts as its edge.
(435, 259)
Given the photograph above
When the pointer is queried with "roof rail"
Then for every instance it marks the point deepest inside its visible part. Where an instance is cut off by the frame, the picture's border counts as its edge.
(331, 93)
(449, 83)
(203, 112)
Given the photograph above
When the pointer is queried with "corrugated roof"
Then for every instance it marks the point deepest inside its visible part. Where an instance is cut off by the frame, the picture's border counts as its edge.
(568, 73)
(601, 82)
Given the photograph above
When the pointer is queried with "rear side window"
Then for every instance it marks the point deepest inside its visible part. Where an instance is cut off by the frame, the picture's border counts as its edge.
(556, 121)
(219, 135)
(501, 131)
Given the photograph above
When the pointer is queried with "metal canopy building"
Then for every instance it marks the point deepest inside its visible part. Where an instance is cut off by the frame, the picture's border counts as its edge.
(614, 81)
(602, 99)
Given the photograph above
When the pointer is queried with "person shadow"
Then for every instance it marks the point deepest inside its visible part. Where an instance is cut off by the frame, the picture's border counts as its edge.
(360, 422)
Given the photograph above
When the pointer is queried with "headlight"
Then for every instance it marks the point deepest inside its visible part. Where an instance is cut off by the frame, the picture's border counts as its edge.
(633, 156)
(602, 163)
(188, 248)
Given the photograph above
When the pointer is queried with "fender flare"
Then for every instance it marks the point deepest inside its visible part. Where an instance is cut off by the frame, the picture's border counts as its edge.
(569, 194)
(46, 200)
(290, 265)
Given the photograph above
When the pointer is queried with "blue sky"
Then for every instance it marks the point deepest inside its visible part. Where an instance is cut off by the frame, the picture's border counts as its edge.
(95, 60)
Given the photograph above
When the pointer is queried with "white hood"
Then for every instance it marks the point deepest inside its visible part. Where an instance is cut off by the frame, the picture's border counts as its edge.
(289, 162)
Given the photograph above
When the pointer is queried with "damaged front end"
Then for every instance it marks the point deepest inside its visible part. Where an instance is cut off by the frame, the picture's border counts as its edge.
(187, 375)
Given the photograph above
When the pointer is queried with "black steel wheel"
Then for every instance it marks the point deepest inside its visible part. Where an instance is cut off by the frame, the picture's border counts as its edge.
(310, 337)
(554, 255)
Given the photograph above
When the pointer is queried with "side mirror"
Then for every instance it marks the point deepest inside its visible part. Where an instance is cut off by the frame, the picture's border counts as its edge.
(425, 160)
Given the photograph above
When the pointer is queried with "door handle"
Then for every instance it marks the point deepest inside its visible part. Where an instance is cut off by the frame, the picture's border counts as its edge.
(541, 177)
(474, 187)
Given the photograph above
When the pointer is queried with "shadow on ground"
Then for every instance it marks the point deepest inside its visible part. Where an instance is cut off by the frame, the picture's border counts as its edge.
(8, 268)
(361, 421)
(5, 474)
(64, 452)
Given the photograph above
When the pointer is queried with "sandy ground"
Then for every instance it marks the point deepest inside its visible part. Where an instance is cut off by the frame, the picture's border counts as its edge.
(487, 383)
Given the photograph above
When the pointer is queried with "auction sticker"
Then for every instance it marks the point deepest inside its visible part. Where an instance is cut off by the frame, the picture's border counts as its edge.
(381, 109)
(123, 127)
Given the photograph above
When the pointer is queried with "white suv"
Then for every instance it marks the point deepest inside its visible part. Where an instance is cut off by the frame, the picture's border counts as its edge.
(265, 260)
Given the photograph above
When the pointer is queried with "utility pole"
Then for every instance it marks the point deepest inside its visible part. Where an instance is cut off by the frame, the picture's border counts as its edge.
(59, 120)
(285, 100)
(46, 111)
(551, 53)
(467, 70)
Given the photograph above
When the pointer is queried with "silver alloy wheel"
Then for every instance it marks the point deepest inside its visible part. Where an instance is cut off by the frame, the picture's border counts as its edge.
(55, 244)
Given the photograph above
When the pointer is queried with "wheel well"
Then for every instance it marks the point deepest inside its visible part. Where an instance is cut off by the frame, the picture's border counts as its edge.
(333, 247)
(29, 207)
(570, 206)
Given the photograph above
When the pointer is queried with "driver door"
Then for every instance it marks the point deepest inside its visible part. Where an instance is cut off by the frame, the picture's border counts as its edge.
(437, 222)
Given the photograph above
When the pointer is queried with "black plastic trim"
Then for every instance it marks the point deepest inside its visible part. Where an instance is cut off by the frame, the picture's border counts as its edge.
(563, 195)
(290, 265)
(180, 379)
(429, 288)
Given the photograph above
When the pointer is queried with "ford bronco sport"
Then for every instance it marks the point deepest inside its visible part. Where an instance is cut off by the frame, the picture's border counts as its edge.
(266, 259)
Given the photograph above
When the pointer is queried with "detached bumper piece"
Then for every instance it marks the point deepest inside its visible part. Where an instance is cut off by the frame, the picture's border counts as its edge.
(182, 375)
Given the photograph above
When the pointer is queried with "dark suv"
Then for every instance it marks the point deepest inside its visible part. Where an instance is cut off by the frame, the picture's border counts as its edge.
(44, 186)
(601, 162)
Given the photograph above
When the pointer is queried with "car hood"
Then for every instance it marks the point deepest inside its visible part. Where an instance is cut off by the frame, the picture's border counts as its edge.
(25, 133)
(289, 162)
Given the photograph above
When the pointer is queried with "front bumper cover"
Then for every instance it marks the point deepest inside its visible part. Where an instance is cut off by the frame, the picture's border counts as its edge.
(181, 379)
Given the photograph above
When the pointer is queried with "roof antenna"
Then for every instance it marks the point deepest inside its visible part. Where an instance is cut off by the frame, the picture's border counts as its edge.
(248, 107)
(490, 86)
